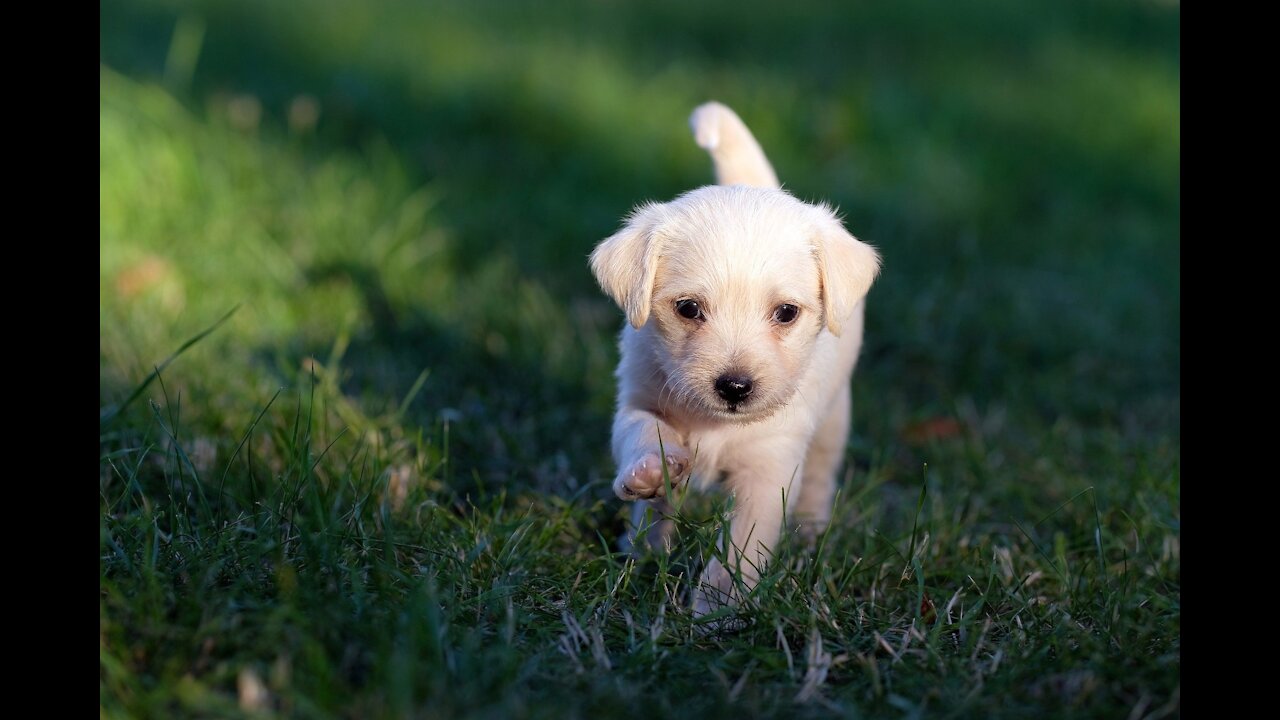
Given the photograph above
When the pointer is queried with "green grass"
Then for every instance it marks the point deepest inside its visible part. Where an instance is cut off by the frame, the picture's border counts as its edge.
(381, 486)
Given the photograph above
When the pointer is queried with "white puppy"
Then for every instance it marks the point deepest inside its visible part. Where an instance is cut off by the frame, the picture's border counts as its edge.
(744, 309)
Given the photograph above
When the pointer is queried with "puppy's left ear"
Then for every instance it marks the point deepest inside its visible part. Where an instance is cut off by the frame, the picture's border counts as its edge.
(846, 267)
(626, 262)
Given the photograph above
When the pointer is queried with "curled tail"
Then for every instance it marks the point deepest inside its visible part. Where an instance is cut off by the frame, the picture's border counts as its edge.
(737, 156)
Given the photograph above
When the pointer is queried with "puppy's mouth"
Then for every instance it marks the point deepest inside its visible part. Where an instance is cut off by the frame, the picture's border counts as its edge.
(743, 411)
(741, 416)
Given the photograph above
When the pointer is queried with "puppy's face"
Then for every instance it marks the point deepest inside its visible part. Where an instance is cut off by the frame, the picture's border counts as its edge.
(734, 286)
(736, 309)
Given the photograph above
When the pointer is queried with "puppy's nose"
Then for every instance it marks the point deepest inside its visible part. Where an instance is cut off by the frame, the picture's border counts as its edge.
(733, 388)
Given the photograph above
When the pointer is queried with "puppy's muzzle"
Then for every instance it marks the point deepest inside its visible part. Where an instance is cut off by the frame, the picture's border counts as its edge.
(733, 388)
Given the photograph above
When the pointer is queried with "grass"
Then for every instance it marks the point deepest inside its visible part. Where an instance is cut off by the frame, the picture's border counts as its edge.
(380, 487)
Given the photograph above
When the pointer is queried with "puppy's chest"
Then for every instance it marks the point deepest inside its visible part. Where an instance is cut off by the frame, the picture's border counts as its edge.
(714, 451)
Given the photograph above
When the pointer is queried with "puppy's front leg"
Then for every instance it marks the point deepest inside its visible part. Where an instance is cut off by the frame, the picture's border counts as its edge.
(761, 485)
(640, 455)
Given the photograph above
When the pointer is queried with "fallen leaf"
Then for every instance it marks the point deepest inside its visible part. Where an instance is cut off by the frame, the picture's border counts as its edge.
(930, 429)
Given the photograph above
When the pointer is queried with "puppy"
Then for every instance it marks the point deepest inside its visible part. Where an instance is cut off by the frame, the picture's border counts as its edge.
(745, 310)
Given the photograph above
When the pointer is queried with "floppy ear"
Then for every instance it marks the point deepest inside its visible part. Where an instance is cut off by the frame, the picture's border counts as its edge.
(846, 268)
(625, 263)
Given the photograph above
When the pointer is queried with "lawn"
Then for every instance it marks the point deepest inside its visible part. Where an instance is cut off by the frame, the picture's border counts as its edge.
(356, 377)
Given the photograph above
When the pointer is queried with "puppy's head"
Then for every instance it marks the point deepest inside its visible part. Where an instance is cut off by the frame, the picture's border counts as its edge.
(734, 285)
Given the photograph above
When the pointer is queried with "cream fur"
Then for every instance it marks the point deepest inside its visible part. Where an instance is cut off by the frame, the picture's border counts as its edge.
(740, 250)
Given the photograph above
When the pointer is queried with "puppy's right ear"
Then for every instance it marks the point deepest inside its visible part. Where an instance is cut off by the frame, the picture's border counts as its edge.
(626, 262)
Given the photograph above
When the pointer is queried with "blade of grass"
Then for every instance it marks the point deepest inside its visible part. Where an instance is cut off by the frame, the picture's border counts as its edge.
(106, 415)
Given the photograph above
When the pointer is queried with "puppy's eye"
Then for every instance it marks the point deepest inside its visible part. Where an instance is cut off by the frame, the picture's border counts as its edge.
(689, 309)
(785, 314)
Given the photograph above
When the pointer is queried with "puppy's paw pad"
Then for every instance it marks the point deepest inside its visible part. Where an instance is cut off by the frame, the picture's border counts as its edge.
(643, 479)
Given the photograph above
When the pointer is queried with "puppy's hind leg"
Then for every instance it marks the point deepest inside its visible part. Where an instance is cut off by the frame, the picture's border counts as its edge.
(812, 508)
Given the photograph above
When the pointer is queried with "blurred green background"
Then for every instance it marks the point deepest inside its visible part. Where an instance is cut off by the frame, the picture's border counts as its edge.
(399, 197)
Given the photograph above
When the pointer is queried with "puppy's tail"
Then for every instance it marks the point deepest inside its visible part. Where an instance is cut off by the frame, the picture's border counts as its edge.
(737, 156)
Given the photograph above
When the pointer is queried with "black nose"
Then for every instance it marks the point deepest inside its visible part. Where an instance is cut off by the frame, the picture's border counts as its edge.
(733, 388)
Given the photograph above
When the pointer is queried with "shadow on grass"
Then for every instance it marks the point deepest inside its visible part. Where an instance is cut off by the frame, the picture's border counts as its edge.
(513, 423)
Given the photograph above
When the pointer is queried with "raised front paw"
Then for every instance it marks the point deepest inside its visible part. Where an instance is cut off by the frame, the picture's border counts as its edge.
(643, 478)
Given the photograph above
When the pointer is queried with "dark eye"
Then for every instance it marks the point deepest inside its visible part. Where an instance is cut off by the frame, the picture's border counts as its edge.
(689, 309)
(785, 314)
